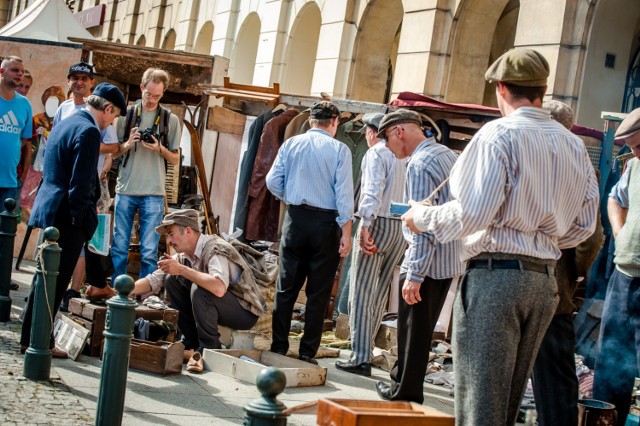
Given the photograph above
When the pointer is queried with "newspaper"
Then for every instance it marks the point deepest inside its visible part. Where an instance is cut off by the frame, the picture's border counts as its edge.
(99, 243)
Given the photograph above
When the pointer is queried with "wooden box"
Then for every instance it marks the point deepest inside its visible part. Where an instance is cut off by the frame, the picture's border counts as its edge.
(159, 357)
(387, 337)
(349, 412)
(92, 316)
(343, 331)
(228, 363)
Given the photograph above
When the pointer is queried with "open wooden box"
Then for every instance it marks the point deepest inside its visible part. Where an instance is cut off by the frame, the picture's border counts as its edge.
(228, 362)
(351, 412)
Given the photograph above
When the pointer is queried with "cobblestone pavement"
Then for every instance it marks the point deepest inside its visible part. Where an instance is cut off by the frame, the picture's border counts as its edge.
(26, 402)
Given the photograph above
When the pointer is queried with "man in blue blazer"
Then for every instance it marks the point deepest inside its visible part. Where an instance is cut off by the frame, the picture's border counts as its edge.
(67, 197)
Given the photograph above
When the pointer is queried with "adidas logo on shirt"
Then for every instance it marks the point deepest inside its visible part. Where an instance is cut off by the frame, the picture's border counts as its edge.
(9, 123)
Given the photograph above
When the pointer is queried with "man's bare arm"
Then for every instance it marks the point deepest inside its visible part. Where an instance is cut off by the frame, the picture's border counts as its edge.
(617, 216)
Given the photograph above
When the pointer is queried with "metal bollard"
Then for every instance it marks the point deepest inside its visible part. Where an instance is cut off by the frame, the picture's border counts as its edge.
(8, 226)
(267, 410)
(37, 359)
(115, 355)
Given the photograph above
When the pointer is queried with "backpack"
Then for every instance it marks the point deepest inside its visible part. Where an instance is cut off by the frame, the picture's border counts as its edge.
(160, 125)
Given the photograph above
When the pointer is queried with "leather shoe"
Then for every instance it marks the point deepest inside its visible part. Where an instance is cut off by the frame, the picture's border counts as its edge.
(196, 363)
(308, 359)
(363, 369)
(187, 354)
(384, 390)
(55, 352)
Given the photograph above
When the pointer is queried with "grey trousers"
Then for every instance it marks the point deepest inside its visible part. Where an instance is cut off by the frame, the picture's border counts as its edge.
(370, 281)
(500, 317)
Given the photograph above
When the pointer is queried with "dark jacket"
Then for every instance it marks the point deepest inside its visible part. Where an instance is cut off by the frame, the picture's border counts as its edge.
(70, 179)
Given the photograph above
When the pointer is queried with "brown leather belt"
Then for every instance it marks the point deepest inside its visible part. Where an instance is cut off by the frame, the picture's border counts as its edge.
(522, 265)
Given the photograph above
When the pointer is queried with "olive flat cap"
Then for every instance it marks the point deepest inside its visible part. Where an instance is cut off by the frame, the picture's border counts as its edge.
(394, 118)
(185, 217)
(372, 119)
(629, 125)
(520, 67)
(324, 110)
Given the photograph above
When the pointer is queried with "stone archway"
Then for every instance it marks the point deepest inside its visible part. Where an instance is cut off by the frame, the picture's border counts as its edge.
(142, 41)
(302, 47)
(169, 42)
(375, 50)
(243, 59)
(473, 30)
(204, 39)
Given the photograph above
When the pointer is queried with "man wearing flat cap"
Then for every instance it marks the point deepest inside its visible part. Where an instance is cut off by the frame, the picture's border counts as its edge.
(617, 363)
(69, 191)
(428, 266)
(380, 245)
(208, 282)
(312, 175)
(523, 190)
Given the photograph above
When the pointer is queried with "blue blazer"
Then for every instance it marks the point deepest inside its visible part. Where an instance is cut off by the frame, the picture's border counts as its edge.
(69, 189)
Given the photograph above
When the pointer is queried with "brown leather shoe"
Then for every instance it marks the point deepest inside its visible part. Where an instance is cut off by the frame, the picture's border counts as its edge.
(196, 363)
(186, 356)
(55, 352)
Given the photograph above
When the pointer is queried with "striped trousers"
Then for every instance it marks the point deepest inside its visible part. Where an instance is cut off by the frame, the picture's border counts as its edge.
(370, 280)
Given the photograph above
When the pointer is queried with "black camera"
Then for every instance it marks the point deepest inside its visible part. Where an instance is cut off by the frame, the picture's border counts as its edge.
(146, 135)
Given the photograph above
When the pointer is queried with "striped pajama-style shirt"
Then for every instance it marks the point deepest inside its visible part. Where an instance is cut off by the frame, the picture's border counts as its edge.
(514, 192)
(429, 165)
(382, 183)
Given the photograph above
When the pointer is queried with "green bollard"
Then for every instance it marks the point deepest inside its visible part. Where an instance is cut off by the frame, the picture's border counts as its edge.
(267, 410)
(37, 359)
(8, 226)
(118, 333)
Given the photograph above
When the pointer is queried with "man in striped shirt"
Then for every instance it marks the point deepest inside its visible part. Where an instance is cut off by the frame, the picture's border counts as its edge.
(428, 266)
(312, 175)
(523, 189)
(381, 243)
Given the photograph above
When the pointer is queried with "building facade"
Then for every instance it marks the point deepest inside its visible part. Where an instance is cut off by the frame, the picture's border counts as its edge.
(371, 50)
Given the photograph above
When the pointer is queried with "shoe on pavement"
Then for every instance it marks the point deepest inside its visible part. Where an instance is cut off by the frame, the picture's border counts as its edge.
(363, 369)
(196, 363)
(384, 391)
(308, 359)
(13, 285)
(68, 295)
(55, 352)
(187, 354)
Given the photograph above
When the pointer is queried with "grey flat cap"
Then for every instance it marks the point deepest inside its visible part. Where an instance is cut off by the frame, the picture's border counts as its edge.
(398, 117)
(520, 67)
(629, 125)
(185, 217)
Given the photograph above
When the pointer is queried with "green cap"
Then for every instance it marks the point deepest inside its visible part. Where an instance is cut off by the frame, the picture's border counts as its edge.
(185, 217)
(394, 118)
(324, 110)
(520, 67)
(630, 125)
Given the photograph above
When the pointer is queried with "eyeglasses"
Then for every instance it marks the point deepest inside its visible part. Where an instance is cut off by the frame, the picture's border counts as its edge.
(150, 96)
(386, 132)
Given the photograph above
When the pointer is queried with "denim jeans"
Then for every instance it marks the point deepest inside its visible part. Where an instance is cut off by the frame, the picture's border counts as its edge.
(151, 212)
(9, 193)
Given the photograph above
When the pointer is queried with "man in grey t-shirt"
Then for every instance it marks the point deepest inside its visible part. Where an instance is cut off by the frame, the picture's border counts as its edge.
(141, 178)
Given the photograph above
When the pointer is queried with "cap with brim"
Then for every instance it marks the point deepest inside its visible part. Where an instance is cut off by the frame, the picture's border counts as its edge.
(394, 118)
(372, 119)
(185, 217)
(630, 125)
(519, 67)
(80, 68)
(112, 94)
(324, 110)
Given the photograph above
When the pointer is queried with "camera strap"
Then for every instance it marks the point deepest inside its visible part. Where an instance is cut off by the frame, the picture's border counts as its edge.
(137, 111)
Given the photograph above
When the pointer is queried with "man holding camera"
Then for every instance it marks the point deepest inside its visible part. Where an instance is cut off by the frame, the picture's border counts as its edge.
(150, 138)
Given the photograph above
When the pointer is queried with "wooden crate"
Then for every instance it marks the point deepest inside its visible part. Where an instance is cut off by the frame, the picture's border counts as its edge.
(228, 363)
(387, 337)
(349, 412)
(92, 316)
(160, 357)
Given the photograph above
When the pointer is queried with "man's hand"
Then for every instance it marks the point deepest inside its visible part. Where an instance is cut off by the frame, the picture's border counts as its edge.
(170, 266)
(134, 137)
(411, 291)
(345, 244)
(366, 242)
(408, 217)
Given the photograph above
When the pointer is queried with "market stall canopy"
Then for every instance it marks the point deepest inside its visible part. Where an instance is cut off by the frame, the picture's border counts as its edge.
(125, 63)
(45, 20)
(410, 99)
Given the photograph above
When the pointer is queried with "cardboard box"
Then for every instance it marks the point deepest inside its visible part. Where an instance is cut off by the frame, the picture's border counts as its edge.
(160, 357)
(228, 363)
(349, 412)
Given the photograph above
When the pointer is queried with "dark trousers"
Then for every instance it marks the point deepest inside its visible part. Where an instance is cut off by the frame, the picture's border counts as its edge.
(200, 313)
(308, 250)
(555, 385)
(415, 329)
(71, 241)
(618, 363)
(96, 270)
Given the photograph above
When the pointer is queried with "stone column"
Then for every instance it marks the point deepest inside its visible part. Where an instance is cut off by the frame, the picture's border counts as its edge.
(186, 27)
(271, 44)
(225, 25)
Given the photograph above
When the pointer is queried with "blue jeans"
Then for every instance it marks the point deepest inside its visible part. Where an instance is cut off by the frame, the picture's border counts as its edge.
(9, 193)
(151, 212)
(617, 363)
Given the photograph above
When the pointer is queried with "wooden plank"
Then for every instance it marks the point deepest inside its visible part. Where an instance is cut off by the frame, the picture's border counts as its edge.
(378, 413)
(224, 120)
(225, 175)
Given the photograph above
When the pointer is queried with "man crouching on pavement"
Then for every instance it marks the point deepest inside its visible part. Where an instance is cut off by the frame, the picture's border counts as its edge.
(208, 282)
